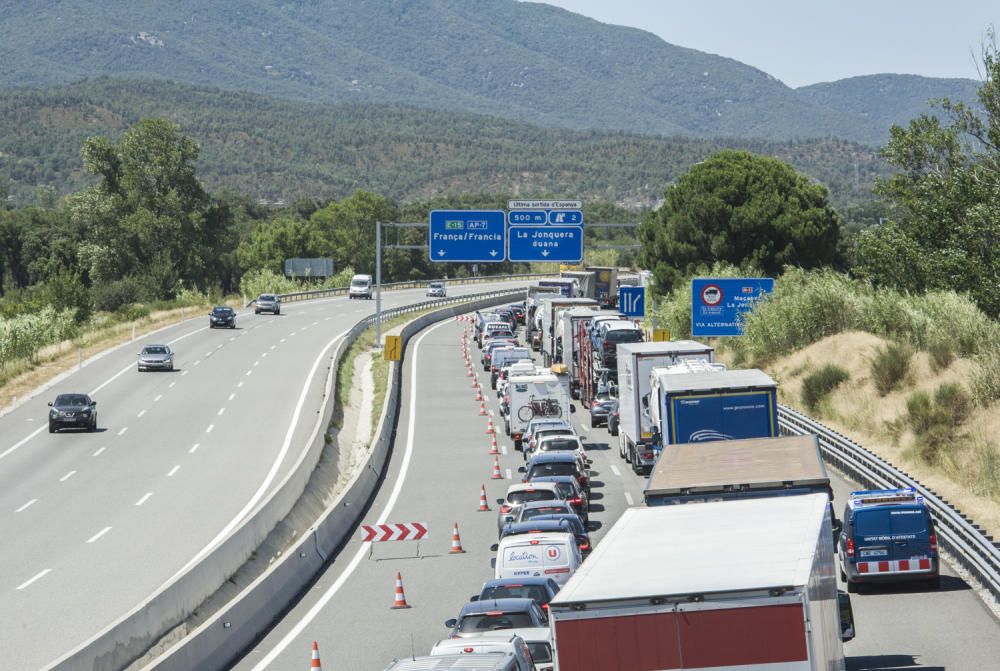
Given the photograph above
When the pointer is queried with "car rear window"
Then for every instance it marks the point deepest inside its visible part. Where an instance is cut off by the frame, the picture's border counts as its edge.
(529, 496)
(530, 513)
(536, 592)
(559, 468)
(890, 522)
(476, 623)
(555, 444)
(541, 652)
(624, 335)
(565, 490)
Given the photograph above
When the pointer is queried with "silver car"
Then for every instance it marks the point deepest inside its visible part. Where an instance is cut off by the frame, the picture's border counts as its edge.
(267, 303)
(156, 357)
(436, 290)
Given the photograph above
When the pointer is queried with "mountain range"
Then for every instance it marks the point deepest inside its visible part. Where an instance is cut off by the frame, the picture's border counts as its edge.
(516, 60)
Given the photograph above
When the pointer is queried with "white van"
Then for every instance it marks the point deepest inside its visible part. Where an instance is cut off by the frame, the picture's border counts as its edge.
(504, 640)
(361, 287)
(480, 661)
(547, 555)
(539, 642)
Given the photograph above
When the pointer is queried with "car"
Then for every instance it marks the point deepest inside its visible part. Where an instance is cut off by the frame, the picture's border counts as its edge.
(540, 589)
(556, 463)
(477, 617)
(528, 449)
(518, 495)
(267, 303)
(486, 356)
(531, 510)
(614, 420)
(518, 311)
(504, 641)
(535, 424)
(436, 290)
(507, 315)
(73, 411)
(222, 315)
(569, 489)
(495, 330)
(888, 536)
(557, 442)
(539, 642)
(601, 407)
(360, 287)
(550, 523)
(552, 555)
(155, 357)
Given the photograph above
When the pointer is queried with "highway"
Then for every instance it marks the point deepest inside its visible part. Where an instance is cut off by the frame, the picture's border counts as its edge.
(439, 461)
(94, 523)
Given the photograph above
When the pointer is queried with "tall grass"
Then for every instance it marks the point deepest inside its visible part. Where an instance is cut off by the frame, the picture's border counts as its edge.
(22, 337)
(257, 282)
(817, 385)
(889, 366)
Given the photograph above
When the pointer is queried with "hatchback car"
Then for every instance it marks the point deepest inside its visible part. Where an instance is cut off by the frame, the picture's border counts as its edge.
(477, 617)
(486, 356)
(540, 589)
(72, 411)
(569, 489)
(267, 303)
(529, 511)
(155, 357)
(551, 523)
(222, 315)
(601, 408)
(556, 463)
(436, 290)
(518, 310)
(520, 494)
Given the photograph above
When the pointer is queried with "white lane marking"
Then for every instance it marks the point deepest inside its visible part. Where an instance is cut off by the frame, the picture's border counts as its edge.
(232, 396)
(99, 450)
(249, 372)
(628, 499)
(282, 340)
(244, 333)
(184, 372)
(39, 575)
(240, 384)
(273, 346)
(614, 469)
(144, 498)
(194, 448)
(257, 362)
(221, 410)
(122, 431)
(363, 550)
(209, 429)
(173, 471)
(157, 398)
(24, 440)
(67, 476)
(232, 339)
(315, 324)
(503, 450)
(197, 361)
(141, 413)
(208, 354)
(171, 386)
(219, 346)
(26, 506)
(98, 534)
(264, 354)
(275, 465)
(510, 476)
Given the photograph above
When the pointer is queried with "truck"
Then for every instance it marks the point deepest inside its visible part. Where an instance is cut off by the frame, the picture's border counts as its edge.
(569, 332)
(748, 584)
(635, 362)
(605, 285)
(591, 377)
(548, 310)
(694, 402)
(567, 286)
(532, 299)
(585, 282)
(738, 469)
(530, 396)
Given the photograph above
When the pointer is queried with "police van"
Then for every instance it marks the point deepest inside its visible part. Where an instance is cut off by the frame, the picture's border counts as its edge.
(888, 535)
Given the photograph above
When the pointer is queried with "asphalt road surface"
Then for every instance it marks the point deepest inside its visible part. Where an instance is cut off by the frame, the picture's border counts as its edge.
(94, 523)
(439, 462)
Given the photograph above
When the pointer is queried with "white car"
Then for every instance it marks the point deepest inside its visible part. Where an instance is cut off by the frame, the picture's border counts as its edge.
(520, 493)
(551, 555)
(436, 290)
(561, 443)
(529, 448)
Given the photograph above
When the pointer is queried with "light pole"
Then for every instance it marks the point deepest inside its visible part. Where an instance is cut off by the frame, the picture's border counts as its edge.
(378, 284)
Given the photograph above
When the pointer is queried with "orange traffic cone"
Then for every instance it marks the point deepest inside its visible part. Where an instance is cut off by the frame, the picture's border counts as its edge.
(482, 407)
(479, 393)
(493, 445)
(456, 542)
(497, 475)
(314, 665)
(400, 600)
(484, 506)
(489, 426)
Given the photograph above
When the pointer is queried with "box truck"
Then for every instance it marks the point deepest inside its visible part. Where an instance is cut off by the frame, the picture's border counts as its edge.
(743, 585)
(530, 396)
(605, 285)
(635, 362)
(692, 403)
(548, 309)
(572, 323)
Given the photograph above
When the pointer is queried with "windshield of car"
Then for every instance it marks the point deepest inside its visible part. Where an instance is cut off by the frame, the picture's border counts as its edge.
(624, 335)
(222, 311)
(557, 468)
(490, 621)
(71, 400)
(435, 285)
(359, 283)
(266, 297)
(894, 521)
(574, 522)
(526, 496)
(154, 350)
(554, 444)
(531, 513)
(540, 652)
(536, 592)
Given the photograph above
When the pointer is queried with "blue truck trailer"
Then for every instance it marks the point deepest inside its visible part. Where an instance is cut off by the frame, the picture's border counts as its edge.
(696, 404)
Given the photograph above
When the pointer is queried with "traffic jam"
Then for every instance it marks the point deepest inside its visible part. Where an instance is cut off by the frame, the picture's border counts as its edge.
(695, 431)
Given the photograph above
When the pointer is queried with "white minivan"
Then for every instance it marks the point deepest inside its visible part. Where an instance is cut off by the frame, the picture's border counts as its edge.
(504, 640)
(361, 287)
(547, 555)
(478, 661)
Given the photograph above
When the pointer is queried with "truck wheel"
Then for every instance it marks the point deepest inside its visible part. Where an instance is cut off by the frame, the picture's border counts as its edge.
(621, 446)
(628, 455)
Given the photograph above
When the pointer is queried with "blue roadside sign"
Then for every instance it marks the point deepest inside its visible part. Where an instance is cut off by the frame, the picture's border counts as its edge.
(467, 236)
(546, 243)
(632, 301)
(717, 304)
(527, 217)
(566, 217)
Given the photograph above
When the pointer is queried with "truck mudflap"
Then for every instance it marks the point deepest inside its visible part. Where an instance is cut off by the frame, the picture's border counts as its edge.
(771, 637)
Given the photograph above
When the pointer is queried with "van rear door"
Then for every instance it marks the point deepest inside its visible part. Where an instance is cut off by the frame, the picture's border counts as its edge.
(892, 533)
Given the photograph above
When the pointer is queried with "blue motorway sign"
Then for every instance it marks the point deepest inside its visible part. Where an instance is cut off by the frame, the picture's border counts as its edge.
(467, 236)
(632, 301)
(718, 304)
(527, 217)
(546, 243)
(566, 217)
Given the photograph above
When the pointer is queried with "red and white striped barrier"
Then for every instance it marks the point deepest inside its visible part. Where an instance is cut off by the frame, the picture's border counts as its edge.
(403, 531)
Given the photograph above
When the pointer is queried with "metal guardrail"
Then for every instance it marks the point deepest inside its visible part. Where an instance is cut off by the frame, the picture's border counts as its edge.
(412, 284)
(967, 543)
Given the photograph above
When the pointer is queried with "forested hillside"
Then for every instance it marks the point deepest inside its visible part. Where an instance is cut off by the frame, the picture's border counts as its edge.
(517, 60)
(275, 149)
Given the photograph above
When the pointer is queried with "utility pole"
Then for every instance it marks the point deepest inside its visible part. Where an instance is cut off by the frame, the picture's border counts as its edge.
(378, 284)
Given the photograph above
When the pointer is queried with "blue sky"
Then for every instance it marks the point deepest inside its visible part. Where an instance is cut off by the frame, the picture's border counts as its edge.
(808, 41)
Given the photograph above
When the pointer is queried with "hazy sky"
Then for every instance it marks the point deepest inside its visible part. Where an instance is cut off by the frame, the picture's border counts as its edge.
(808, 41)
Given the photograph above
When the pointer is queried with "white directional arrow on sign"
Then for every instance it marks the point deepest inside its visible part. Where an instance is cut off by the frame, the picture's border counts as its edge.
(440, 252)
(545, 252)
(493, 252)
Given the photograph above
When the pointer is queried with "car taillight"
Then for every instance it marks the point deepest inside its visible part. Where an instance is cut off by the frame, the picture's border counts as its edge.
(575, 501)
(647, 455)
(850, 547)
(505, 508)
(545, 607)
(933, 540)
(584, 546)
(556, 570)
(595, 404)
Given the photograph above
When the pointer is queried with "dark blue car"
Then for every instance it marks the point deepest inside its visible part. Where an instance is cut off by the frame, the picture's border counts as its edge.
(540, 589)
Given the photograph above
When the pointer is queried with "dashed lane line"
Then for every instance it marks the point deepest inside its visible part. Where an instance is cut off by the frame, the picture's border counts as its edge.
(26, 506)
(98, 534)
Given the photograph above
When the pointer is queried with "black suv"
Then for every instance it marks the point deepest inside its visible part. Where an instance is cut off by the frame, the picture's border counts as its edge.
(73, 410)
(222, 315)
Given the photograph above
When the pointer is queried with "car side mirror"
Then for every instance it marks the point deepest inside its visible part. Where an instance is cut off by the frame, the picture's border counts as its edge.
(493, 563)
(495, 547)
(50, 404)
(846, 616)
(500, 501)
(572, 408)
(450, 623)
(94, 403)
(474, 597)
(522, 469)
(838, 526)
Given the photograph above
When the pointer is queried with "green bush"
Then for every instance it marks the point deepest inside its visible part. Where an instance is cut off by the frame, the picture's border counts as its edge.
(889, 366)
(986, 375)
(935, 420)
(954, 402)
(818, 384)
(941, 355)
(109, 296)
